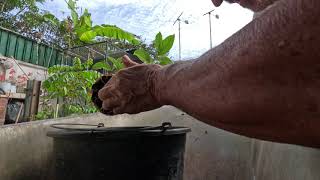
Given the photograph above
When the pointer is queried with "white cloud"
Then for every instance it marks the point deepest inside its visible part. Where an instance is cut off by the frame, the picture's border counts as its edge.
(147, 17)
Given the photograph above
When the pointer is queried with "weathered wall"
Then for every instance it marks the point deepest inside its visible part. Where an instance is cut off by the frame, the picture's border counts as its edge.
(274, 161)
(25, 71)
(212, 154)
(38, 73)
(17, 73)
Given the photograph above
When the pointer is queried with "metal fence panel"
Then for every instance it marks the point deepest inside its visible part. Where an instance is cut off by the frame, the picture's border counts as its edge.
(20, 48)
(25, 49)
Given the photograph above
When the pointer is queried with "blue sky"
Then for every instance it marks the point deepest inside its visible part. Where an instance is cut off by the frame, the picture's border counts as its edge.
(147, 17)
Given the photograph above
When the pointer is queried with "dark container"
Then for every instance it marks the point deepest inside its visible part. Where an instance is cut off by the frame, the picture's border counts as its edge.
(120, 153)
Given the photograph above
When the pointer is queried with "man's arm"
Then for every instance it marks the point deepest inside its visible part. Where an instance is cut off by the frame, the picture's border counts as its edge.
(263, 82)
(254, 5)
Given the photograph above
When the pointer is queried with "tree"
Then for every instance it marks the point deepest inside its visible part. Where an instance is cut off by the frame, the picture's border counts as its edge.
(24, 17)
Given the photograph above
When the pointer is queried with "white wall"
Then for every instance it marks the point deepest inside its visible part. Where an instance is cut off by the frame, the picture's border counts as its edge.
(20, 71)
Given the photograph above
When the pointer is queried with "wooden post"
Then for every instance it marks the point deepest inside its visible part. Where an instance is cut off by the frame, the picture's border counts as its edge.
(27, 101)
(3, 109)
(35, 98)
(19, 113)
(32, 99)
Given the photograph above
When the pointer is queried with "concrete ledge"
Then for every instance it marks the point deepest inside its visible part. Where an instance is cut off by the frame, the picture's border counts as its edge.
(212, 154)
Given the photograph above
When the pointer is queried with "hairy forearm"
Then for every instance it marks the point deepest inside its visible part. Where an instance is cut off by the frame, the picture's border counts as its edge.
(263, 82)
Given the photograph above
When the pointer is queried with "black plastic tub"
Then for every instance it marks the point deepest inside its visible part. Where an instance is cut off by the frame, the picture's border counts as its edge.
(83, 152)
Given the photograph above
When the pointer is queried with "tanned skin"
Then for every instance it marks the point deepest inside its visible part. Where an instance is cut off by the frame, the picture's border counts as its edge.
(263, 82)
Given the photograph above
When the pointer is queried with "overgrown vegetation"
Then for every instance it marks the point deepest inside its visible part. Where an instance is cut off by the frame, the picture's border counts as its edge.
(67, 88)
(70, 87)
(79, 29)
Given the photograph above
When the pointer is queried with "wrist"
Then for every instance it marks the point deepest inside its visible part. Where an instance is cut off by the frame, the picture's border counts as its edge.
(157, 83)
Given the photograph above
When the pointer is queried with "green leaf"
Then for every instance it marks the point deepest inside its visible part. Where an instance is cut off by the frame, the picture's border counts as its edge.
(166, 45)
(117, 63)
(84, 90)
(157, 42)
(65, 90)
(164, 60)
(74, 14)
(51, 18)
(101, 65)
(88, 36)
(116, 33)
(87, 18)
(143, 55)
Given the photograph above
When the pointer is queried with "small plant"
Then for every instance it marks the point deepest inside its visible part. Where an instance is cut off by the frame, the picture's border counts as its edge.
(110, 65)
(45, 114)
(159, 55)
(72, 84)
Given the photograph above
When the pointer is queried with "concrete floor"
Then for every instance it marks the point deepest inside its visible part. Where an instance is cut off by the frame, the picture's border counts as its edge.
(211, 154)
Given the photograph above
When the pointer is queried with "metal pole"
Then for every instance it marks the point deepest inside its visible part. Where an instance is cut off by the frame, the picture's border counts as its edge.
(179, 40)
(179, 25)
(210, 30)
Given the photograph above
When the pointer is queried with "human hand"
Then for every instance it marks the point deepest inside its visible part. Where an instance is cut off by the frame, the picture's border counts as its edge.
(255, 5)
(130, 90)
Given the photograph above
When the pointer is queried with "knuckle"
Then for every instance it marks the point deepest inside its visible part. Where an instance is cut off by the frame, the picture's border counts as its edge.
(101, 94)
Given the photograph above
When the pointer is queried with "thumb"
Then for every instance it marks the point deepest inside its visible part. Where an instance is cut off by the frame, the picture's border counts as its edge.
(128, 62)
(217, 3)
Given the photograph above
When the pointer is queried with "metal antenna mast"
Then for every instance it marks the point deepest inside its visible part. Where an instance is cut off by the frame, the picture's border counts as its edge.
(217, 17)
(179, 26)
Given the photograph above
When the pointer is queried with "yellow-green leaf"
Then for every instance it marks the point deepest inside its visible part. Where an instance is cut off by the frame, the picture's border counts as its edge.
(164, 60)
(166, 45)
(143, 55)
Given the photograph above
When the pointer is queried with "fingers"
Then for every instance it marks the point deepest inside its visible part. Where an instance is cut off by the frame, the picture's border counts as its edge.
(118, 110)
(110, 103)
(117, 106)
(124, 108)
(217, 3)
(128, 62)
(104, 93)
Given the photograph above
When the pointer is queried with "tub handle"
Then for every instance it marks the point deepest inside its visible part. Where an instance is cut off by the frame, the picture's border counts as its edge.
(165, 126)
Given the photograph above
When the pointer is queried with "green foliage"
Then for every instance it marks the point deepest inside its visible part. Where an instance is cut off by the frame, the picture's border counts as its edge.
(116, 63)
(159, 54)
(164, 60)
(24, 17)
(102, 65)
(45, 114)
(111, 65)
(73, 81)
(154, 54)
(163, 46)
(79, 28)
(108, 31)
(143, 55)
(51, 18)
(157, 41)
(74, 14)
(166, 45)
(72, 84)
